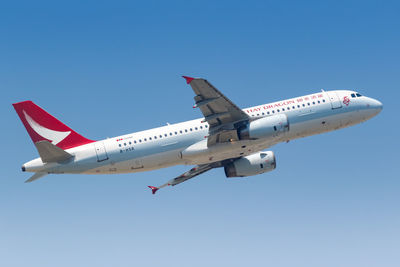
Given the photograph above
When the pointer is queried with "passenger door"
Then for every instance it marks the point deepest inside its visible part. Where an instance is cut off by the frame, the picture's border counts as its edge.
(100, 151)
(335, 100)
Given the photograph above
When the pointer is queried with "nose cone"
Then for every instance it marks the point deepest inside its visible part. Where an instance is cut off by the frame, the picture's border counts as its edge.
(376, 105)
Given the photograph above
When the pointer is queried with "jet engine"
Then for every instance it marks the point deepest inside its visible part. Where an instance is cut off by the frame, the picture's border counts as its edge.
(251, 165)
(271, 126)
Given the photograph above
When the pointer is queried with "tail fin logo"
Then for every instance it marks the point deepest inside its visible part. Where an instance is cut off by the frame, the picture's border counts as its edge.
(54, 136)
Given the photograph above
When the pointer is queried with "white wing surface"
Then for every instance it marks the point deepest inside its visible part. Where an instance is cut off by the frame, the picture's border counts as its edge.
(223, 116)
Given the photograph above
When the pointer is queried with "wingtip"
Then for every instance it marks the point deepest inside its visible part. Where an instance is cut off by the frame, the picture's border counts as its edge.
(188, 79)
(153, 189)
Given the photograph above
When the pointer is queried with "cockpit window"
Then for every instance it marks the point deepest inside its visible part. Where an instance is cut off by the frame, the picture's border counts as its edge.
(353, 95)
(358, 95)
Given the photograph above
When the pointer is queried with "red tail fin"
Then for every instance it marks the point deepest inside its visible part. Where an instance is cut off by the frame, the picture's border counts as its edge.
(43, 126)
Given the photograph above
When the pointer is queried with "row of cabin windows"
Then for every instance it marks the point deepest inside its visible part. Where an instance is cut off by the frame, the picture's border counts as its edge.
(165, 135)
(288, 108)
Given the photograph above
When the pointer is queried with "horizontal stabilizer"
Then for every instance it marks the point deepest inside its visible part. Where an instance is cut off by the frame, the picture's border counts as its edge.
(51, 153)
(36, 176)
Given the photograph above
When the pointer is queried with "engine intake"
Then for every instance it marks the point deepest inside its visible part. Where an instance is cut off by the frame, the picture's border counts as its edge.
(271, 126)
(251, 165)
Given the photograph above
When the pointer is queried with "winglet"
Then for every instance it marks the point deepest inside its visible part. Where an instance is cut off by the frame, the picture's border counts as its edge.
(153, 189)
(188, 79)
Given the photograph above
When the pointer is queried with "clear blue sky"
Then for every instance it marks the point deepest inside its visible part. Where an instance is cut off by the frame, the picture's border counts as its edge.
(108, 68)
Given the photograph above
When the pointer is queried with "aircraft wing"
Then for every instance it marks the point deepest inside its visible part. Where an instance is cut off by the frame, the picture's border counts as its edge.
(221, 113)
(184, 177)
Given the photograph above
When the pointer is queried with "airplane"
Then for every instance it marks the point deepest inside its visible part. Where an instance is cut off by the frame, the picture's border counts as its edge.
(226, 137)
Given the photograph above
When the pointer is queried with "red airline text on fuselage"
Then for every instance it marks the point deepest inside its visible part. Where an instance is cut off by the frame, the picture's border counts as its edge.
(285, 103)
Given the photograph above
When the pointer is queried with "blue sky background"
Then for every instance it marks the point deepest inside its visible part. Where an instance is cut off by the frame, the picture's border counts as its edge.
(107, 68)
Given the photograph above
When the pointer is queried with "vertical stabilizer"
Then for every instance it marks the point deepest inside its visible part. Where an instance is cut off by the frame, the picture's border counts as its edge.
(42, 126)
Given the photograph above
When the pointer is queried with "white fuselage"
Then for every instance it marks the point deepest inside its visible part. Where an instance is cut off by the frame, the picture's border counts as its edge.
(162, 147)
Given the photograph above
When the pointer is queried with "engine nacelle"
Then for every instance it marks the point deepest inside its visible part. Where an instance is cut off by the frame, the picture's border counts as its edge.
(251, 165)
(271, 126)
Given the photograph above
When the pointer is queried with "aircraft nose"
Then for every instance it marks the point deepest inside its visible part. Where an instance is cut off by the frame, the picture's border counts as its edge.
(375, 104)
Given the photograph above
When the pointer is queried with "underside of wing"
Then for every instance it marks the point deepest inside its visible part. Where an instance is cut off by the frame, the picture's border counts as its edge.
(219, 112)
(184, 177)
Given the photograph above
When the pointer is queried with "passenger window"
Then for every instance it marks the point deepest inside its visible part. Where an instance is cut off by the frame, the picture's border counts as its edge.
(176, 133)
(283, 109)
(195, 128)
(185, 130)
(293, 107)
(130, 143)
(155, 137)
(273, 111)
(170, 134)
(191, 129)
(263, 114)
(206, 126)
(134, 141)
(119, 145)
(278, 110)
(304, 105)
(288, 108)
(319, 102)
(140, 140)
(149, 138)
(323, 100)
(201, 127)
(124, 144)
(180, 131)
(308, 103)
(145, 139)
(313, 103)
(298, 106)
(268, 112)
(165, 135)
(160, 136)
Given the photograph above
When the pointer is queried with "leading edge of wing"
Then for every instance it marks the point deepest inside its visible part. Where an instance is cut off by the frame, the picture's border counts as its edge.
(183, 177)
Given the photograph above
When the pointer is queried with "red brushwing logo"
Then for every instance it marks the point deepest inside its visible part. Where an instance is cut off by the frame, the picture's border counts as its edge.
(346, 100)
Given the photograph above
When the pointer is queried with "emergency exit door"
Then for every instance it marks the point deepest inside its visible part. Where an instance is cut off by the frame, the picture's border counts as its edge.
(100, 151)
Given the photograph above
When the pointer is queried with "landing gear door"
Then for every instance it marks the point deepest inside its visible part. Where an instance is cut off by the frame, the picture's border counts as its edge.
(137, 164)
(335, 100)
(100, 151)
